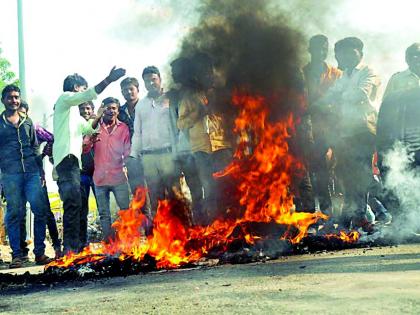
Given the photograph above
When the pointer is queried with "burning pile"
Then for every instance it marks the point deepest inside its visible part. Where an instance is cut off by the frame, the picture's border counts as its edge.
(263, 170)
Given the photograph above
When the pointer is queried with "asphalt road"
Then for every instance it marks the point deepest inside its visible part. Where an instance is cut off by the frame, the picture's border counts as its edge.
(371, 281)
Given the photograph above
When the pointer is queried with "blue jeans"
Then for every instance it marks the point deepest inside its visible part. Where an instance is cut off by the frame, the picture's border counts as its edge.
(17, 189)
(122, 196)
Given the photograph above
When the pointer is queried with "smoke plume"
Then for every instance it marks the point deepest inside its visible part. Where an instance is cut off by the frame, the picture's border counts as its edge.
(403, 180)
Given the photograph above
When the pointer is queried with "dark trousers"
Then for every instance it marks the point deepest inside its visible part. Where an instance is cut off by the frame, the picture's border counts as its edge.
(354, 169)
(188, 167)
(86, 184)
(207, 165)
(68, 172)
(320, 175)
(51, 224)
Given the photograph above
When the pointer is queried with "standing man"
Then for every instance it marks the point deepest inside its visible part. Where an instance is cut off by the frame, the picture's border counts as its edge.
(86, 110)
(352, 97)
(181, 68)
(319, 77)
(130, 91)
(111, 148)
(204, 127)
(398, 120)
(20, 164)
(69, 128)
(154, 140)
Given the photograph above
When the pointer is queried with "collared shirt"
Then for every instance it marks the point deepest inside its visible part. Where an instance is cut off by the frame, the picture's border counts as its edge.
(152, 126)
(353, 97)
(401, 82)
(110, 152)
(125, 117)
(317, 86)
(69, 127)
(206, 133)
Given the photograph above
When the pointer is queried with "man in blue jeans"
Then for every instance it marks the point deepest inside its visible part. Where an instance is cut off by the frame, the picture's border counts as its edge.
(20, 164)
(111, 148)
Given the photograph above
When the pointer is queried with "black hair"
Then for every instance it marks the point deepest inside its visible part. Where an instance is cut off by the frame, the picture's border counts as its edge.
(150, 70)
(89, 103)
(318, 39)
(24, 105)
(129, 81)
(110, 100)
(412, 49)
(72, 80)
(349, 43)
(9, 88)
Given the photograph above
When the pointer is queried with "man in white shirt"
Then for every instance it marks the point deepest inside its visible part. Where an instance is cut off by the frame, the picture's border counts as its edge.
(352, 98)
(154, 139)
(69, 128)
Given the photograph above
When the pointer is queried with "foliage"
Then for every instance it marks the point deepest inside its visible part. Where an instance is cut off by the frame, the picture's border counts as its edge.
(6, 75)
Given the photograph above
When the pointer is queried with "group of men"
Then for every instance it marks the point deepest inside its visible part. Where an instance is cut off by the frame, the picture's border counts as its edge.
(149, 142)
(154, 140)
(349, 138)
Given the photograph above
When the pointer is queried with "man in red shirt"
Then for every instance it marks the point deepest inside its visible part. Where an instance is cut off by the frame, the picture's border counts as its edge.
(111, 147)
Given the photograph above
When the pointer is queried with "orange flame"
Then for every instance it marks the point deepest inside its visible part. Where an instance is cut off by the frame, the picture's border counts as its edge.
(262, 168)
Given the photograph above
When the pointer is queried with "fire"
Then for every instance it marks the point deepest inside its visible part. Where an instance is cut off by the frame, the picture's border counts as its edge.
(350, 237)
(262, 169)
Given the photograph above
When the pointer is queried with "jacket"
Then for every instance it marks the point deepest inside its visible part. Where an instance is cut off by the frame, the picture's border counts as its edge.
(19, 146)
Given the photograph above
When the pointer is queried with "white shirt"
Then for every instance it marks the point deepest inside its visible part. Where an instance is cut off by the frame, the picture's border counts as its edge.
(353, 96)
(152, 126)
(68, 126)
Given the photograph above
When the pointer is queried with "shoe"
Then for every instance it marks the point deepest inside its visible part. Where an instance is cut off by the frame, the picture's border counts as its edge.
(58, 253)
(43, 260)
(24, 258)
(16, 263)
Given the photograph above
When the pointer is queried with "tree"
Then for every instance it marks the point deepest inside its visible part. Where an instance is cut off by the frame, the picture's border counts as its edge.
(6, 75)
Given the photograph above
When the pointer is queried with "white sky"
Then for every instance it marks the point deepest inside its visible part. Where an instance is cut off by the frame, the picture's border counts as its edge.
(90, 36)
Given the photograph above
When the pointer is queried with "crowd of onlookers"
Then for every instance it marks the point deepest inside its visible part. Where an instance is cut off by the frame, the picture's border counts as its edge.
(154, 140)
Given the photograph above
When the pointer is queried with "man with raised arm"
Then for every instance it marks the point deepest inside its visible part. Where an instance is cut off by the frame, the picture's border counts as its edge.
(69, 128)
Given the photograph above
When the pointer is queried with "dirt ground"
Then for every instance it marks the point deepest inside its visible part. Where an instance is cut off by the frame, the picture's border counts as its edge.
(373, 281)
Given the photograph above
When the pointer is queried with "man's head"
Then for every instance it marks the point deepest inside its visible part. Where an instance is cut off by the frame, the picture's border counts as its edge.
(181, 68)
(86, 109)
(152, 81)
(74, 83)
(348, 52)
(318, 48)
(130, 89)
(24, 107)
(112, 108)
(10, 97)
(202, 67)
(412, 57)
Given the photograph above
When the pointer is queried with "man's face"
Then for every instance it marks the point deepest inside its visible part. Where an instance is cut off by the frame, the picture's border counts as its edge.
(130, 93)
(152, 83)
(11, 100)
(348, 58)
(319, 51)
(86, 110)
(206, 78)
(413, 61)
(80, 88)
(111, 112)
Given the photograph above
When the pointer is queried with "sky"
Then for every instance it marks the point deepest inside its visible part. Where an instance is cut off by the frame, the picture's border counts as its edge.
(90, 36)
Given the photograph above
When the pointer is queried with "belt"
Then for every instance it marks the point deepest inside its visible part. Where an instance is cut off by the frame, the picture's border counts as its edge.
(157, 151)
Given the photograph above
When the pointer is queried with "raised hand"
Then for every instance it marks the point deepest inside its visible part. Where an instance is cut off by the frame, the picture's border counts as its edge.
(115, 74)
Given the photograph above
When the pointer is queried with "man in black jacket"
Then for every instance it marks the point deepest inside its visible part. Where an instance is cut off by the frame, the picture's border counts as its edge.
(20, 164)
